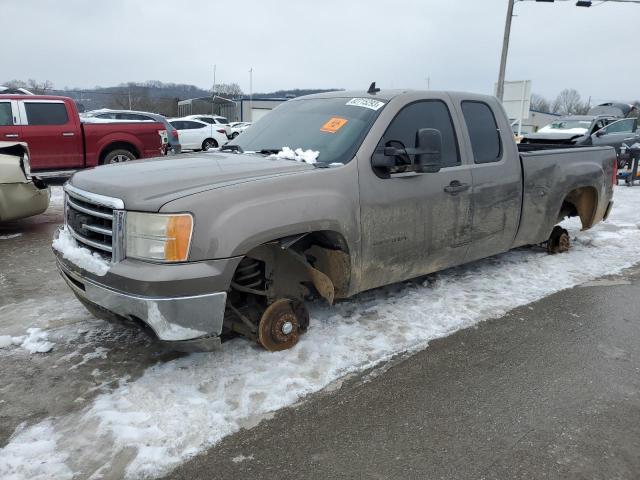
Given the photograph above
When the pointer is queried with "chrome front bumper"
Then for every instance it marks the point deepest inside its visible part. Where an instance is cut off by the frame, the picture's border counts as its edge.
(197, 319)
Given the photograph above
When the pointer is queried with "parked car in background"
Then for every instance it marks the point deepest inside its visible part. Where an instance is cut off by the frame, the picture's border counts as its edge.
(58, 140)
(106, 114)
(197, 135)
(21, 195)
(221, 122)
(617, 133)
(571, 130)
(238, 127)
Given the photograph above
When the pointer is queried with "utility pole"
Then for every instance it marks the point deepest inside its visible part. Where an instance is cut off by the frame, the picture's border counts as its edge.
(213, 92)
(505, 51)
(130, 97)
(251, 93)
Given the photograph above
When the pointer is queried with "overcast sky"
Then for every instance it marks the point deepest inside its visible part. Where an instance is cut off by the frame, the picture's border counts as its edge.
(322, 44)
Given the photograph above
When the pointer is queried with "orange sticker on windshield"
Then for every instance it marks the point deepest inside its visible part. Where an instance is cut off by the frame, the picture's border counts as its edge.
(334, 124)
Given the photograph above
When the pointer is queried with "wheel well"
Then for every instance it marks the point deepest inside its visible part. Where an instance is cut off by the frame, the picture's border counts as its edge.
(581, 202)
(299, 265)
(117, 146)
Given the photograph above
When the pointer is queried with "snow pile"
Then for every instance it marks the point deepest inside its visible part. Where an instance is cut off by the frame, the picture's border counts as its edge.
(10, 236)
(299, 155)
(176, 409)
(36, 341)
(80, 256)
(33, 442)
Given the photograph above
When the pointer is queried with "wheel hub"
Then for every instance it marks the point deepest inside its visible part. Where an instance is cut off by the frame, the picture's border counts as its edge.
(287, 327)
(280, 325)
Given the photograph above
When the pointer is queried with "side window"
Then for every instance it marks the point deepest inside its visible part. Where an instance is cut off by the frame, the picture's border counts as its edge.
(106, 115)
(177, 125)
(6, 116)
(42, 113)
(193, 125)
(483, 131)
(402, 132)
(621, 126)
(208, 120)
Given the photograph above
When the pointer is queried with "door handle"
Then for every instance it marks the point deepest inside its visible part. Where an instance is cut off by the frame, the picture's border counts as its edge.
(456, 187)
(11, 135)
(68, 134)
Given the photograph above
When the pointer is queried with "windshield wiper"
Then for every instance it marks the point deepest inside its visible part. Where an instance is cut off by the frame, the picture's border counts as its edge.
(232, 148)
(270, 151)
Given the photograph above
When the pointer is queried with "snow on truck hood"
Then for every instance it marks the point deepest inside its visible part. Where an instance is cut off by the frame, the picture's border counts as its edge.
(146, 185)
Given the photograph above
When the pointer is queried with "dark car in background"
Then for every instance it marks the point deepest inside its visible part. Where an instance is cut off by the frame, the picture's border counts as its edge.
(570, 130)
(107, 115)
(624, 131)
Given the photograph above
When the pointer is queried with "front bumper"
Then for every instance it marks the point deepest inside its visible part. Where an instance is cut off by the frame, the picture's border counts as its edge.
(172, 319)
(180, 303)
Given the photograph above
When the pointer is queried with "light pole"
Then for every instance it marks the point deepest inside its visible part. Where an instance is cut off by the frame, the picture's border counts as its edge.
(251, 93)
(507, 34)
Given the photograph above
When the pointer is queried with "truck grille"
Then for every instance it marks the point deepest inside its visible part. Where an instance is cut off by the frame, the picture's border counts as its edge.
(90, 219)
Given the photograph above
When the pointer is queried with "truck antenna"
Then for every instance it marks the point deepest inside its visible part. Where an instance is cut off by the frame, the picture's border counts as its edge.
(373, 89)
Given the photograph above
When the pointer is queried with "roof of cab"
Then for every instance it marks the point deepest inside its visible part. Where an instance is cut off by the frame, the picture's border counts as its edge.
(4, 96)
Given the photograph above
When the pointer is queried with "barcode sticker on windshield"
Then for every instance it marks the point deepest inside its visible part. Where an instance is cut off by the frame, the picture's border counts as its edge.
(369, 103)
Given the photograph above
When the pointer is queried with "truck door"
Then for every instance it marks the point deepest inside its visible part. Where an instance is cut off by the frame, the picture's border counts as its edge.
(497, 183)
(53, 134)
(415, 223)
(10, 129)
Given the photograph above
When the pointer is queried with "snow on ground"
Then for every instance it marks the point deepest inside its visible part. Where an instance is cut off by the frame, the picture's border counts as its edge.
(36, 341)
(10, 236)
(57, 196)
(147, 426)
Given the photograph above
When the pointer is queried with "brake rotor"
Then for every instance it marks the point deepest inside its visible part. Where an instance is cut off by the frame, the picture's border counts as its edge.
(279, 325)
(564, 242)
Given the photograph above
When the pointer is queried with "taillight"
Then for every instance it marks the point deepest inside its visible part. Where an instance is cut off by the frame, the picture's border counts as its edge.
(174, 134)
(221, 130)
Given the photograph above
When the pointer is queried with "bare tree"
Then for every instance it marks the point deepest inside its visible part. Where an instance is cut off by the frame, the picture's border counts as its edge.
(539, 103)
(569, 102)
(39, 88)
(229, 90)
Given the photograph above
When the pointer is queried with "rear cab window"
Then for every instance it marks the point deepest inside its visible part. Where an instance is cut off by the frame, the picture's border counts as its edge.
(46, 113)
(483, 131)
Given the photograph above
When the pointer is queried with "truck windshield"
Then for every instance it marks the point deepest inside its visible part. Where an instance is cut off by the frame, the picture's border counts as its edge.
(334, 127)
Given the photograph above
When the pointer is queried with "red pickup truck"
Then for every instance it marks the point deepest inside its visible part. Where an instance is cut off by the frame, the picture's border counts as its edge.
(58, 140)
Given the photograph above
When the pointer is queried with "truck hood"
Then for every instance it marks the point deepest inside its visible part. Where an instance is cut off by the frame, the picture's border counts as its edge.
(146, 185)
(564, 137)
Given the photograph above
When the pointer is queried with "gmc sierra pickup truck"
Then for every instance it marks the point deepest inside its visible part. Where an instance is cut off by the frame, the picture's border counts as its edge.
(376, 187)
(58, 140)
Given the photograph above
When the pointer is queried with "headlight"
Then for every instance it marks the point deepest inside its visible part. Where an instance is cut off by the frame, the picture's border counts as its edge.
(160, 237)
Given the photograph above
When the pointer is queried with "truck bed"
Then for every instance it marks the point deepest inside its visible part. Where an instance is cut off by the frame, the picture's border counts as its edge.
(549, 173)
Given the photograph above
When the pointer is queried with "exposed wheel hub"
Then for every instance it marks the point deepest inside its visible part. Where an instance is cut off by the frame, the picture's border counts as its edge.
(281, 323)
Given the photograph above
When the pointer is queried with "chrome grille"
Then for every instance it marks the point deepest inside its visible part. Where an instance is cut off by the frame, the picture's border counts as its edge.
(92, 220)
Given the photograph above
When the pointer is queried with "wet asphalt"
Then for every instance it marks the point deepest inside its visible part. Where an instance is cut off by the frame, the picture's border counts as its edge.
(549, 391)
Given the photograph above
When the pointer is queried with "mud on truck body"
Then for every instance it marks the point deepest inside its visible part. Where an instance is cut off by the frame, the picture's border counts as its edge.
(385, 186)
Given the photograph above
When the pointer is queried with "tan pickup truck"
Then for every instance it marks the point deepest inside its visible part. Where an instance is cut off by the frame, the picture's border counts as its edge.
(21, 195)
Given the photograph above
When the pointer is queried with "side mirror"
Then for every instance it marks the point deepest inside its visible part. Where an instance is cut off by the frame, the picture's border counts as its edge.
(429, 151)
